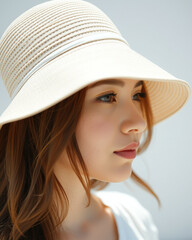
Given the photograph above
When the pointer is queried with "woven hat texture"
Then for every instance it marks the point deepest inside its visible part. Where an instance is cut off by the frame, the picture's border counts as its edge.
(58, 47)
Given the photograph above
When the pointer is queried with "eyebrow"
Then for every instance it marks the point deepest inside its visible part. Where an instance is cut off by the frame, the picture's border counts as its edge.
(114, 82)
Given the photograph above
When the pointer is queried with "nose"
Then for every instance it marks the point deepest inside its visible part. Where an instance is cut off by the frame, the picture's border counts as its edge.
(133, 120)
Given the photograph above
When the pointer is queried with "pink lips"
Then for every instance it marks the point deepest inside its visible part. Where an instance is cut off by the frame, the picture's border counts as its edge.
(128, 152)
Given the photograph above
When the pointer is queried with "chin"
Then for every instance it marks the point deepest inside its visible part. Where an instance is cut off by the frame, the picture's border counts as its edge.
(115, 177)
(122, 178)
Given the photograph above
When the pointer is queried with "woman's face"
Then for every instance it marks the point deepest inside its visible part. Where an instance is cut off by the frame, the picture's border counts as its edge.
(111, 119)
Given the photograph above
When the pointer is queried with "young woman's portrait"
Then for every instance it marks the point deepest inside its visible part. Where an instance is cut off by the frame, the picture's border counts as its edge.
(83, 106)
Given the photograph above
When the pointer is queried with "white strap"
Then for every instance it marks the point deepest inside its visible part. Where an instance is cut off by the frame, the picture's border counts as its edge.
(69, 46)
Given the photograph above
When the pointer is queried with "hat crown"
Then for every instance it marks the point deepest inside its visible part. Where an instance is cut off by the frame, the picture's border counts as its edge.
(43, 30)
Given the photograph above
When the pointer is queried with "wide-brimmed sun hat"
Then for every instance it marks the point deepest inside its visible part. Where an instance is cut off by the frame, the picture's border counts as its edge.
(59, 47)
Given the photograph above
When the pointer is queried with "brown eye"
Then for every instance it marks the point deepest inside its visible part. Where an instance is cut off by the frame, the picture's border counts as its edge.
(139, 96)
(108, 98)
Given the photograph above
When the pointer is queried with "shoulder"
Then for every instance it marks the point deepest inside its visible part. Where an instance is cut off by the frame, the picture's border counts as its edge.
(131, 211)
(123, 201)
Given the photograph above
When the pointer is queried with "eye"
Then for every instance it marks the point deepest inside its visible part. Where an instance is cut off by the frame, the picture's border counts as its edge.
(108, 98)
(139, 96)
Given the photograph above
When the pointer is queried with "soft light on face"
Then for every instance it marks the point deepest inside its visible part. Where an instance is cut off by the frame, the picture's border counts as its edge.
(111, 119)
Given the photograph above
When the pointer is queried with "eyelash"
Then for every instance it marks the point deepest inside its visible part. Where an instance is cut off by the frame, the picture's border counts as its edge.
(140, 95)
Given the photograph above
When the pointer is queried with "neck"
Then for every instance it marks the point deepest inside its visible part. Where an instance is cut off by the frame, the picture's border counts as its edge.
(78, 215)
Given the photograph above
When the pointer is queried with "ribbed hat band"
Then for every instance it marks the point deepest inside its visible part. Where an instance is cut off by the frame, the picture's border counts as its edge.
(59, 47)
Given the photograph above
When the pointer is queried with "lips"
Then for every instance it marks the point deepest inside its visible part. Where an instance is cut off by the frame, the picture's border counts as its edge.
(131, 146)
(129, 154)
(129, 151)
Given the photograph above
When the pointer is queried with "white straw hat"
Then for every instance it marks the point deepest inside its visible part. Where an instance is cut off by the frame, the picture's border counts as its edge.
(58, 47)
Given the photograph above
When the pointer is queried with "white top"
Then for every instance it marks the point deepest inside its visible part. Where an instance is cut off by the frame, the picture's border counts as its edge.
(133, 221)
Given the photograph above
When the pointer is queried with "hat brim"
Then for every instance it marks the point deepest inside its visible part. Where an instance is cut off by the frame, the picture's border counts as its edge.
(89, 63)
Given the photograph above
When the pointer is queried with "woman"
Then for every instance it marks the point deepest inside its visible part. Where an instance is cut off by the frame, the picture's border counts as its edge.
(81, 100)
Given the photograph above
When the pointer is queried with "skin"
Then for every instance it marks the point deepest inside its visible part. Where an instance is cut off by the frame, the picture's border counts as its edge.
(107, 124)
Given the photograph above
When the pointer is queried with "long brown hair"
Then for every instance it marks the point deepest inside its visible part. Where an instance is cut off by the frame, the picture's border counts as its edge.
(28, 151)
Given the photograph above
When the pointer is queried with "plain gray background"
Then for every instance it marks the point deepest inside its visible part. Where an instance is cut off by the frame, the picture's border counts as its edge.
(161, 31)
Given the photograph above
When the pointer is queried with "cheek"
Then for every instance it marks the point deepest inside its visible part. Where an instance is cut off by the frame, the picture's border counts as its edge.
(94, 133)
